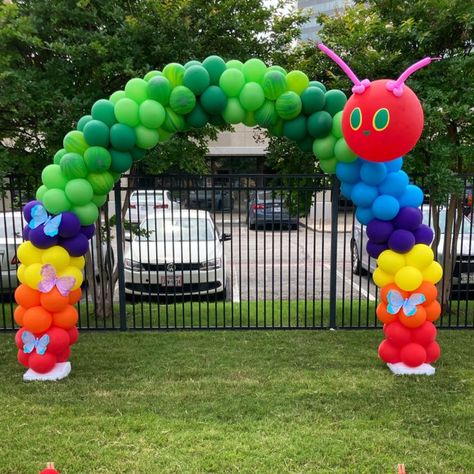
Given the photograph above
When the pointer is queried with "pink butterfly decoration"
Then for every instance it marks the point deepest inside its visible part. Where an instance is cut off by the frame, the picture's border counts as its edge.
(50, 280)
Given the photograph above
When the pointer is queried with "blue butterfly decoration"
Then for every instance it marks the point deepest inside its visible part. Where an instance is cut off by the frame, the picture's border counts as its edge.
(31, 342)
(39, 216)
(396, 302)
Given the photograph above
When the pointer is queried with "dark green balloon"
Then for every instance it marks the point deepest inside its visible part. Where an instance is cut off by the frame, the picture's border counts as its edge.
(159, 89)
(288, 105)
(318, 84)
(213, 100)
(137, 153)
(197, 79)
(215, 66)
(295, 129)
(121, 161)
(122, 137)
(197, 118)
(277, 129)
(96, 133)
(313, 99)
(306, 144)
(266, 115)
(103, 110)
(82, 122)
(97, 159)
(216, 120)
(173, 122)
(274, 84)
(335, 101)
(319, 124)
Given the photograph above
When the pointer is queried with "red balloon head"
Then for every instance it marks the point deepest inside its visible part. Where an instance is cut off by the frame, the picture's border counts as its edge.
(379, 126)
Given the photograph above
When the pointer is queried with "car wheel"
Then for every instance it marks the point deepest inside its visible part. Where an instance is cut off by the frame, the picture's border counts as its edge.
(355, 259)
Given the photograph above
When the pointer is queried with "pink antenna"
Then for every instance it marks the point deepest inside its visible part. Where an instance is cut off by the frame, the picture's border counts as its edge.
(359, 86)
(397, 86)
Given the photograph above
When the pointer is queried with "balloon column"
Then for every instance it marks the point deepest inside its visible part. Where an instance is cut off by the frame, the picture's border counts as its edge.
(381, 121)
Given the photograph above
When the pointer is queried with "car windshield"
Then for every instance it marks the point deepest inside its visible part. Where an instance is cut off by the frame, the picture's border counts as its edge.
(10, 226)
(178, 229)
(466, 226)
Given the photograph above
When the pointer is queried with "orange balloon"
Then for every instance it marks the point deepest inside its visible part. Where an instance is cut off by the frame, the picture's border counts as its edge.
(75, 296)
(67, 318)
(54, 301)
(429, 290)
(37, 319)
(413, 321)
(392, 286)
(433, 311)
(27, 297)
(384, 315)
(18, 315)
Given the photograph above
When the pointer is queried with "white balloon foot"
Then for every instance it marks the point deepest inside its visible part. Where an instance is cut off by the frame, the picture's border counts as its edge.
(60, 371)
(401, 369)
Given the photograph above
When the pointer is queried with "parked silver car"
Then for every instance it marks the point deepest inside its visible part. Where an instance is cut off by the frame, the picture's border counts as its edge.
(146, 203)
(267, 209)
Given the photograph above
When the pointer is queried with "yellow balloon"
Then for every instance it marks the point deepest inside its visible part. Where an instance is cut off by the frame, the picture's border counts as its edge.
(78, 262)
(56, 256)
(408, 278)
(381, 278)
(28, 254)
(433, 272)
(390, 261)
(32, 275)
(74, 272)
(20, 273)
(420, 256)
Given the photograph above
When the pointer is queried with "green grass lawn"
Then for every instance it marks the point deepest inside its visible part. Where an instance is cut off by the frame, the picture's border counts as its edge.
(246, 402)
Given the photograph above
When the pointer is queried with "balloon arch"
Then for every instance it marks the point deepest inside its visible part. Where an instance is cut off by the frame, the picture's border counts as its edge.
(361, 140)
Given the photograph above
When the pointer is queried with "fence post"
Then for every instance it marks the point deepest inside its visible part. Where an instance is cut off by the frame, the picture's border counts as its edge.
(333, 275)
(118, 234)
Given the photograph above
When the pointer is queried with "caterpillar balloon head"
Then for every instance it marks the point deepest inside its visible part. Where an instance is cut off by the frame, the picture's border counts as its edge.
(383, 119)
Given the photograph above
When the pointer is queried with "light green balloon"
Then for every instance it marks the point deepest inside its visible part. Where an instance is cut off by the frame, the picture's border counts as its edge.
(136, 89)
(74, 142)
(126, 112)
(52, 177)
(192, 63)
(79, 191)
(182, 100)
(55, 201)
(337, 125)
(277, 68)
(288, 105)
(266, 115)
(323, 148)
(146, 137)
(58, 155)
(87, 214)
(297, 81)
(99, 199)
(328, 166)
(251, 96)
(164, 135)
(173, 122)
(233, 112)
(40, 192)
(231, 82)
(116, 96)
(151, 114)
(249, 119)
(234, 64)
(254, 69)
(151, 74)
(343, 152)
(159, 89)
(174, 72)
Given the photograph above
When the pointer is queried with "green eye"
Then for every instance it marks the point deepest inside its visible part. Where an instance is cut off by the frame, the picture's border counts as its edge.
(381, 119)
(356, 119)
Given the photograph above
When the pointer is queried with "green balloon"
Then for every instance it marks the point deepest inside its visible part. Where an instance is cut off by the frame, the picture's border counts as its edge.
(103, 110)
(137, 90)
(58, 155)
(164, 136)
(213, 100)
(40, 192)
(147, 138)
(295, 129)
(277, 68)
(126, 111)
(251, 96)
(121, 161)
(319, 124)
(274, 84)
(328, 166)
(74, 142)
(337, 125)
(266, 115)
(234, 64)
(182, 100)
(297, 81)
(99, 200)
(343, 152)
(137, 153)
(197, 118)
(79, 191)
(102, 183)
(174, 72)
(73, 166)
(234, 112)
(87, 214)
(52, 177)
(122, 137)
(151, 114)
(306, 144)
(323, 148)
(312, 99)
(116, 96)
(318, 84)
(115, 176)
(215, 66)
(191, 64)
(216, 120)
(159, 89)
(196, 78)
(254, 70)
(96, 133)
(277, 129)
(231, 82)
(151, 74)
(55, 201)
(173, 122)
(288, 105)
(335, 101)
(97, 159)
(82, 122)
(249, 119)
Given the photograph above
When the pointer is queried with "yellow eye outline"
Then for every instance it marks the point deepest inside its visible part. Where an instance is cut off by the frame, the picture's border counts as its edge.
(360, 119)
(380, 129)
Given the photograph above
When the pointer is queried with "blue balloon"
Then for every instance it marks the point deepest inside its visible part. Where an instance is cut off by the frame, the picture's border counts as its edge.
(412, 197)
(385, 207)
(348, 172)
(364, 215)
(373, 173)
(394, 165)
(394, 184)
(346, 189)
(363, 195)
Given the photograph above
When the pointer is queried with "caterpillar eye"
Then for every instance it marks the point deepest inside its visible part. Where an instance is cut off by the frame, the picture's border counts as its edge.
(355, 119)
(381, 119)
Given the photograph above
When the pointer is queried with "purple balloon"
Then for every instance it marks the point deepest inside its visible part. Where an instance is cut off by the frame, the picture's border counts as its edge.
(374, 249)
(70, 225)
(408, 218)
(401, 241)
(26, 232)
(40, 239)
(424, 234)
(379, 231)
(76, 246)
(28, 207)
(88, 230)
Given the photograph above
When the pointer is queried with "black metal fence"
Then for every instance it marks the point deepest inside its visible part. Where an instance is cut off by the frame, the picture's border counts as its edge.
(229, 251)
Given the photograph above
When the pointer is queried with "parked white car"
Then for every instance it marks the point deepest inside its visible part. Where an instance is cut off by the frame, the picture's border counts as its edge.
(182, 253)
(146, 203)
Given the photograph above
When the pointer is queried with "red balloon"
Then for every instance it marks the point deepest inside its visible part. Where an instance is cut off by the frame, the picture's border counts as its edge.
(384, 126)
(388, 352)
(18, 341)
(42, 363)
(413, 354)
(23, 358)
(49, 470)
(58, 340)
(73, 335)
(64, 356)
(432, 352)
(425, 334)
(398, 334)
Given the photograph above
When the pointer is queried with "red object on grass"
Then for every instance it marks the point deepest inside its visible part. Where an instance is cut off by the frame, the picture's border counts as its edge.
(49, 469)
